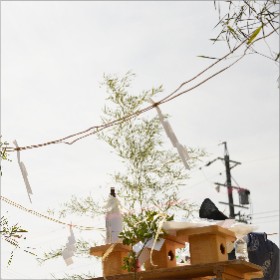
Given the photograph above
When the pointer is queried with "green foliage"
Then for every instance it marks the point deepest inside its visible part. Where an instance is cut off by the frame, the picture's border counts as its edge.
(80, 206)
(254, 35)
(3, 152)
(82, 250)
(130, 262)
(245, 20)
(82, 276)
(10, 231)
(141, 227)
(52, 254)
(148, 186)
(10, 234)
(152, 173)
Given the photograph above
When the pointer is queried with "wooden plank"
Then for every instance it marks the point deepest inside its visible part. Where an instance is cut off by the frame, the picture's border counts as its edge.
(214, 229)
(175, 238)
(99, 251)
(237, 267)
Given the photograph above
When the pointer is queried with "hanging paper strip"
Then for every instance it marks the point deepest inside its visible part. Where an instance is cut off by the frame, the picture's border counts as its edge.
(182, 151)
(24, 173)
(70, 249)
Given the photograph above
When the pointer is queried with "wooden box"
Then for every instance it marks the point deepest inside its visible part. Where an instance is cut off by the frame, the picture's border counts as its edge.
(166, 257)
(112, 257)
(207, 244)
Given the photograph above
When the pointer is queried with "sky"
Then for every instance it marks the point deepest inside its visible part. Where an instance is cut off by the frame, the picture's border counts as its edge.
(53, 58)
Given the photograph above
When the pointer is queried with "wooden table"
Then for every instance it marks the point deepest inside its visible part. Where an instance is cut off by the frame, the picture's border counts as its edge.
(227, 270)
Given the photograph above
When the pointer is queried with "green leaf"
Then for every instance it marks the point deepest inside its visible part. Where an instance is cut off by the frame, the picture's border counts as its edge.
(254, 35)
(209, 57)
(231, 30)
(215, 39)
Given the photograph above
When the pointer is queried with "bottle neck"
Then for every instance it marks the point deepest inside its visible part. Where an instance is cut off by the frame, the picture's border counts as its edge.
(112, 192)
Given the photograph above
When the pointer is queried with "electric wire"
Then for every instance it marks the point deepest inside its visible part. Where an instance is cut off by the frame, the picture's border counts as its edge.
(265, 212)
(265, 217)
(269, 221)
(261, 159)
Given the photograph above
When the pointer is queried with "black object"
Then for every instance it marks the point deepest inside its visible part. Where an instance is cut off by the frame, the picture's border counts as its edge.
(112, 192)
(209, 210)
(244, 196)
(264, 253)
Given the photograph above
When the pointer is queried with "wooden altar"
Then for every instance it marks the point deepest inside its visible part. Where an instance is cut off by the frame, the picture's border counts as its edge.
(208, 250)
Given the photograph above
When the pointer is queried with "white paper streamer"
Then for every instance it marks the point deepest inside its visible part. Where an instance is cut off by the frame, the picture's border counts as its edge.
(145, 254)
(67, 256)
(138, 247)
(169, 131)
(182, 151)
(156, 245)
(70, 249)
(183, 155)
(24, 173)
(167, 127)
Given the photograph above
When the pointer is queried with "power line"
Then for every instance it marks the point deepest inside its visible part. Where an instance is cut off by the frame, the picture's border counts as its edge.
(261, 159)
(265, 212)
(270, 221)
(234, 181)
(205, 180)
(265, 217)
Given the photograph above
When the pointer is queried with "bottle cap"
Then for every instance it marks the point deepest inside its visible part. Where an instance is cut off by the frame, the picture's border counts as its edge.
(112, 192)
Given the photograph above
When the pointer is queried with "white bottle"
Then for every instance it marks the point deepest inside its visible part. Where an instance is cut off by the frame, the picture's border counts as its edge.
(113, 219)
(241, 252)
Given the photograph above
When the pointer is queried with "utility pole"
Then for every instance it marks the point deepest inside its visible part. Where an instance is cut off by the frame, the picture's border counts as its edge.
(229, 186)
(229, 164)
(228, 182)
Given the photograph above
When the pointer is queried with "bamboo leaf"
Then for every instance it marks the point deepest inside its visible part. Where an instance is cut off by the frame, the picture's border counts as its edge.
(231, 30)
(209, 57)
(215, 39)
(254, 35)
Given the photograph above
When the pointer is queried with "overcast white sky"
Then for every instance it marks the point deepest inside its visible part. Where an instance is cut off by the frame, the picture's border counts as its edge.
(53, 57)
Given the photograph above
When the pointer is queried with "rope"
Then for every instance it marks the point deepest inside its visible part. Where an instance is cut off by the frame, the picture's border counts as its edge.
(35, 213)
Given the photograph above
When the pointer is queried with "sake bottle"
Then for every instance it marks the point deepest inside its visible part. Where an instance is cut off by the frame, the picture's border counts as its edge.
(240, 246)
(113, 218)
